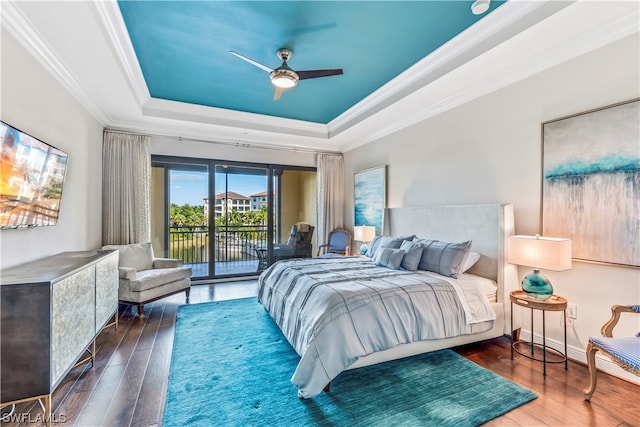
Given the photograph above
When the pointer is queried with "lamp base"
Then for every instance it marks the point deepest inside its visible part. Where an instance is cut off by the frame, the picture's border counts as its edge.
(535, 285)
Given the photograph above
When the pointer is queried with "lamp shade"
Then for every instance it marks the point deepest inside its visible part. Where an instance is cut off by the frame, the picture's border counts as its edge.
(548, 253)
(364, 233)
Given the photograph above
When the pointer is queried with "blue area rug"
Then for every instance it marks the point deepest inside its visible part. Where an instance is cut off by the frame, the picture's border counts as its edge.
(232, 366)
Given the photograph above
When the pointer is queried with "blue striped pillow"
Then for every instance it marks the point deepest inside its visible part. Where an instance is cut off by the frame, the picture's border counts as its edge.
(443, 258)
(388, 257)
(412, 255)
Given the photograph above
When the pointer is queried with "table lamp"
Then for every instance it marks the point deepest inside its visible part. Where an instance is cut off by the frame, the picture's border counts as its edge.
(364, 234)
(547, 253)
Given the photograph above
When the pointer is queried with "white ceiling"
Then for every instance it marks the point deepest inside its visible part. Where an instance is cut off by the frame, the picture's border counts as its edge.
(86, 47)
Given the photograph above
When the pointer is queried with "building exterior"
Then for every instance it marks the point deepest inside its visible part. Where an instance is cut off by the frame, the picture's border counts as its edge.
(226, 202)
(258, 200)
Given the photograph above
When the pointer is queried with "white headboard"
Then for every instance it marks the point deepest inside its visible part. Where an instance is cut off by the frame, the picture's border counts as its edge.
(488, 226)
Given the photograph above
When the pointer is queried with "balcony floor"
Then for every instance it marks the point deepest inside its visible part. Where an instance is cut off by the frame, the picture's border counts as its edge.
(224, 268)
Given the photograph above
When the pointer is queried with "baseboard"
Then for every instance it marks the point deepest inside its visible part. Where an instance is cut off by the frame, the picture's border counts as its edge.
(576, 354)
(225, 280)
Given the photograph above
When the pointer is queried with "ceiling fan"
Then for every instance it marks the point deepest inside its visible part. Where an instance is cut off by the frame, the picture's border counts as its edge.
(284, 77)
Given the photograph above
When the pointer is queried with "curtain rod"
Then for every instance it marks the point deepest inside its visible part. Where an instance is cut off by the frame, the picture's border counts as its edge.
(227, 143)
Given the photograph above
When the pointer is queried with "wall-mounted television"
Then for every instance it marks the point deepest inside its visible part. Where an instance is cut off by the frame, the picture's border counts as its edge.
(31, 178)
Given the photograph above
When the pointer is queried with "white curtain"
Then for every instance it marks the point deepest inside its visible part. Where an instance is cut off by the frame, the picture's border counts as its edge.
(126, 186)
(330, 194)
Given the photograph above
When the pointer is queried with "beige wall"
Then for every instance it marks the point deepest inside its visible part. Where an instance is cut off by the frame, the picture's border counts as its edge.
(33, 101)
(489, 151)
(308, 200)
(289, 191)
(157, 207)
(298, 201)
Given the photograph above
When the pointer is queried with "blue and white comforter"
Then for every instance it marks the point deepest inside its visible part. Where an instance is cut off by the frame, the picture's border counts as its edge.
(334, 311)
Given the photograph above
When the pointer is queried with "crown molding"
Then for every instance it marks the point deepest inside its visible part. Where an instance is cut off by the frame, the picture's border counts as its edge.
(235, 119)
(115, 28)
(498, 26)
(117, 34)
(189, 131)
(533, 51)
(519, 39)
(20, 27)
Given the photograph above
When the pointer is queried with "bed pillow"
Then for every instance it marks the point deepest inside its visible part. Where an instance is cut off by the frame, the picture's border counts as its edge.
(444, 258)
(412, 255)
(472, 258)
(385, 242)
(391, 242)
(373, 246)
(388, 257)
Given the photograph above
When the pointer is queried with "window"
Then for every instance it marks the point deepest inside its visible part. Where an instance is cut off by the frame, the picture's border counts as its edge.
(244, 223)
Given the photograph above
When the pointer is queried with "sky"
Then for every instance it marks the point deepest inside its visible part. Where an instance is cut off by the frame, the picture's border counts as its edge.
(190, 187)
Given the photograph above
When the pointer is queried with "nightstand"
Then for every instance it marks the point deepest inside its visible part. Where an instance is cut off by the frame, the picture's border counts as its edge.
(555, 303)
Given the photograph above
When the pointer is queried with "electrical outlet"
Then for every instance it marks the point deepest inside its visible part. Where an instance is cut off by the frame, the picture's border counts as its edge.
(572, 311)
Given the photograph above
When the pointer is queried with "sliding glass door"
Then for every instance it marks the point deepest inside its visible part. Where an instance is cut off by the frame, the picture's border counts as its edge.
(179, 219)
(241, 219)
(225, 218)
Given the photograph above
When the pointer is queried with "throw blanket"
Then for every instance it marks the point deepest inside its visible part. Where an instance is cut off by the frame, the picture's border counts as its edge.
(335, 310)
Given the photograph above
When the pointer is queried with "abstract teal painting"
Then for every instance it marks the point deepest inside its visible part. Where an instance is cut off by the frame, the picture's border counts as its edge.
(370, 197)
(591, 183)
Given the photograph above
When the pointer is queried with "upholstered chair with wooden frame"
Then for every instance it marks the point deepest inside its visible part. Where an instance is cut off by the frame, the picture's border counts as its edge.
(339, 243)
(624, 351)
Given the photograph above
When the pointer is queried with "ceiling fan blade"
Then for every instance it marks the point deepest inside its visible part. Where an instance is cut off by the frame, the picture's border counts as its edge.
(279, 91)
(312, 74)
(251, 61)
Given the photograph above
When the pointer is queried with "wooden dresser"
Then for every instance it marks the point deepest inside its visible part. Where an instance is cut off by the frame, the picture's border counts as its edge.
(51, 311)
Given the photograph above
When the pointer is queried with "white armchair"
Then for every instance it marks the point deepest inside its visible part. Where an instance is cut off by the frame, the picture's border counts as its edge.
(144, 279)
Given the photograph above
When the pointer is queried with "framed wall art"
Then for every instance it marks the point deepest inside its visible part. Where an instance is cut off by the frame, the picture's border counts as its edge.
(370, 195)
(591, 183)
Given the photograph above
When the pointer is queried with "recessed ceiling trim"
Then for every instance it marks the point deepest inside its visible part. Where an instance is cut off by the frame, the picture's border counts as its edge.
(21, 28)
(217, 116)
(117, 34)
(421, 74)
(512, 17)
(182, 131)
(526, 54)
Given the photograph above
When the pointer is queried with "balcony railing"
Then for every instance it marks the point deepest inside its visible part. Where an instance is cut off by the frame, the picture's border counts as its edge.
(231, 243)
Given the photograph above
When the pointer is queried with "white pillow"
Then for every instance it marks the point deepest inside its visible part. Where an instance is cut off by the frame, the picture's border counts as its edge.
(472, 258)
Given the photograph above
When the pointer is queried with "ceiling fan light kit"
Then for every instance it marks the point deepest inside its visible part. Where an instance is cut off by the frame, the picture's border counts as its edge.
(480, 6)
(284, 77)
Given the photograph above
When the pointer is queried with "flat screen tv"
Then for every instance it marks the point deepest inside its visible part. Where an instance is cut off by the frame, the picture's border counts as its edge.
(32, 174)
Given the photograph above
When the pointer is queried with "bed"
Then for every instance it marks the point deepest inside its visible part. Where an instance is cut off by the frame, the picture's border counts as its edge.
(348, 312)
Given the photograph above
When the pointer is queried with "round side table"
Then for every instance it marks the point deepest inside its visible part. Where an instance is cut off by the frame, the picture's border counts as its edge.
(555, 303)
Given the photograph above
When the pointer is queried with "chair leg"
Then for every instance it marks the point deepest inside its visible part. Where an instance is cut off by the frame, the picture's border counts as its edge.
(188, 292)
(591, 360)
(140, 309)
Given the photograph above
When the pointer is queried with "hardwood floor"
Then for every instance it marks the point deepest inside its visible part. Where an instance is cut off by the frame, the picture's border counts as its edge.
(128, 383)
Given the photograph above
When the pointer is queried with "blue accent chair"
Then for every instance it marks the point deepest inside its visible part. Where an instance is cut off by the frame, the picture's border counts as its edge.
(339, 244)
(624, 351)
